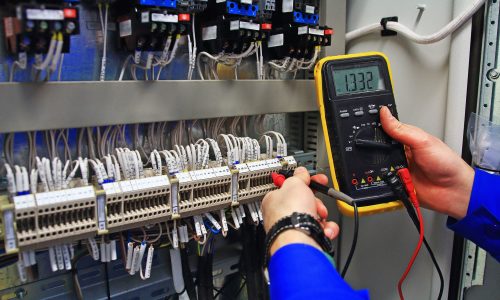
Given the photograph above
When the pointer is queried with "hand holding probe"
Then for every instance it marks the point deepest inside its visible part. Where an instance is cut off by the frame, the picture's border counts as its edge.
(280, 177)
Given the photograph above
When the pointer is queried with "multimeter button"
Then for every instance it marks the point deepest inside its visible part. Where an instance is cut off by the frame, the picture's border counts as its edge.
(359, 113)
(373, 111)
(344, 115)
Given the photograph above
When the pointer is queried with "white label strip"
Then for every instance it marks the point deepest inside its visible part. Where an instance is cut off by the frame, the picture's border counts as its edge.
(287, 6)
(44, 14)
(209, 33)
(165, 18)
(309, 9)
(249, 26)
(234, 25)
(302, 30)
(183, 177)
(24, 202)
(125, 28)
(242, 168)
(222, 171)
(145, 17)
(234, 187)
(101, 212)
(273, 163)
(174, 201)
(10, 236)
(315, 31)
(276, 40)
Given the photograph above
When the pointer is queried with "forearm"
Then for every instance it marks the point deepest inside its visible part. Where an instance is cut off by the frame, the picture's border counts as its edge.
(302, 271)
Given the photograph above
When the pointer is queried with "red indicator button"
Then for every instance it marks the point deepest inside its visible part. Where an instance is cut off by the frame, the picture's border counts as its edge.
(354, 181)
(184, 17)
(69, 13)
(266, 26)
(328, 31)
(370, 179)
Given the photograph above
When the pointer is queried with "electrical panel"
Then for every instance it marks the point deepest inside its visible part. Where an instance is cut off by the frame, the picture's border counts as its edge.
(63, 206)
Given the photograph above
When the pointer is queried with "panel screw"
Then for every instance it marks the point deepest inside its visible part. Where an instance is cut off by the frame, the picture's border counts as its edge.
(493, 75)
(21, 293)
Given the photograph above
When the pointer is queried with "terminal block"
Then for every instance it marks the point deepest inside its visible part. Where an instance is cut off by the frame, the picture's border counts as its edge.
(145, 28)
(135, 203)
(204, 190)
(47, 218)
(255, 178)
(29, 28)
(34, 221)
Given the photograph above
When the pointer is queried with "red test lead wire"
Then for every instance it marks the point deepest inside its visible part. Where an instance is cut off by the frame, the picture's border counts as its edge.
(405, 177)
(278, 179)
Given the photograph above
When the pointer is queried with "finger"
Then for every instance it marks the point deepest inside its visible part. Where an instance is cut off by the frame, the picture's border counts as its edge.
(321, 209)
(320, 178)
(302, 174)
(406, 134)
(331, 230)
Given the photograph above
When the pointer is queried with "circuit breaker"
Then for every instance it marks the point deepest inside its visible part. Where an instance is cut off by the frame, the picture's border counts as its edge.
(148, 25)
(296, 30)
(29, 28)
(231, 26)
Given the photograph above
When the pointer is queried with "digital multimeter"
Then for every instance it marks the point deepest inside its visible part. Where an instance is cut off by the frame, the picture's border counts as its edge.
(351, 89)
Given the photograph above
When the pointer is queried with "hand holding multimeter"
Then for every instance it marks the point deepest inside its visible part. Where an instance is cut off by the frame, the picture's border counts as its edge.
(351, 90)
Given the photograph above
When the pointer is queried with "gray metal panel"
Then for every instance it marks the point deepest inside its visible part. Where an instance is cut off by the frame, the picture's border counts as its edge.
(27, 107)
(333, 14)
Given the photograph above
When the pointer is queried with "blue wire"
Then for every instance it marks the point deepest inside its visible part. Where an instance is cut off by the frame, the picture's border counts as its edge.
(207, 224)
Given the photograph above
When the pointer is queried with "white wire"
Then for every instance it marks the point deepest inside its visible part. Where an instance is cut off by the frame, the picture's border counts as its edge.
(124, 66)
(104, 26)
(198, 62)
(59, 71)
(419, 39)
(52, 47)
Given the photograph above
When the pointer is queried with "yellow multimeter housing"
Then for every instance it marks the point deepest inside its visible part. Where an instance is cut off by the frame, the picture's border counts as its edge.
(350, 91)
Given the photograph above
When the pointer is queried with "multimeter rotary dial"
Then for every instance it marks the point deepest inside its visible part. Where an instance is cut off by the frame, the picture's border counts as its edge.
(372, 144)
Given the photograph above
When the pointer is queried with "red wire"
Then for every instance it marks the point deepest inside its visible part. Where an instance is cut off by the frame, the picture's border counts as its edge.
(415, 253)
(406, 179)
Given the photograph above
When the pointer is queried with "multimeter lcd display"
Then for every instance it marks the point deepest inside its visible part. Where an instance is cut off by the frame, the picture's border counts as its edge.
(358, 80)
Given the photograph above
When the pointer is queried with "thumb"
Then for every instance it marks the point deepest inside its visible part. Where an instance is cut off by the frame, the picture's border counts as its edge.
(302, 174)
(405, 134)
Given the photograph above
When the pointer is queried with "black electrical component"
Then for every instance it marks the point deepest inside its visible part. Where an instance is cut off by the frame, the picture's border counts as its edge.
(29, 28)
(145, 27)
(191, 6)
(231, 26)
(296, 31)
(297, 11)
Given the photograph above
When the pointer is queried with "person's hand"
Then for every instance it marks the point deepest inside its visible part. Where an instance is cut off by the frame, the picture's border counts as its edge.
(443, 181)
(296, 196)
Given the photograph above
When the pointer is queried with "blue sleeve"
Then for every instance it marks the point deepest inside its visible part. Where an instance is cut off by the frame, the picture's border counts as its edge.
(481, 224)
(299, 271)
